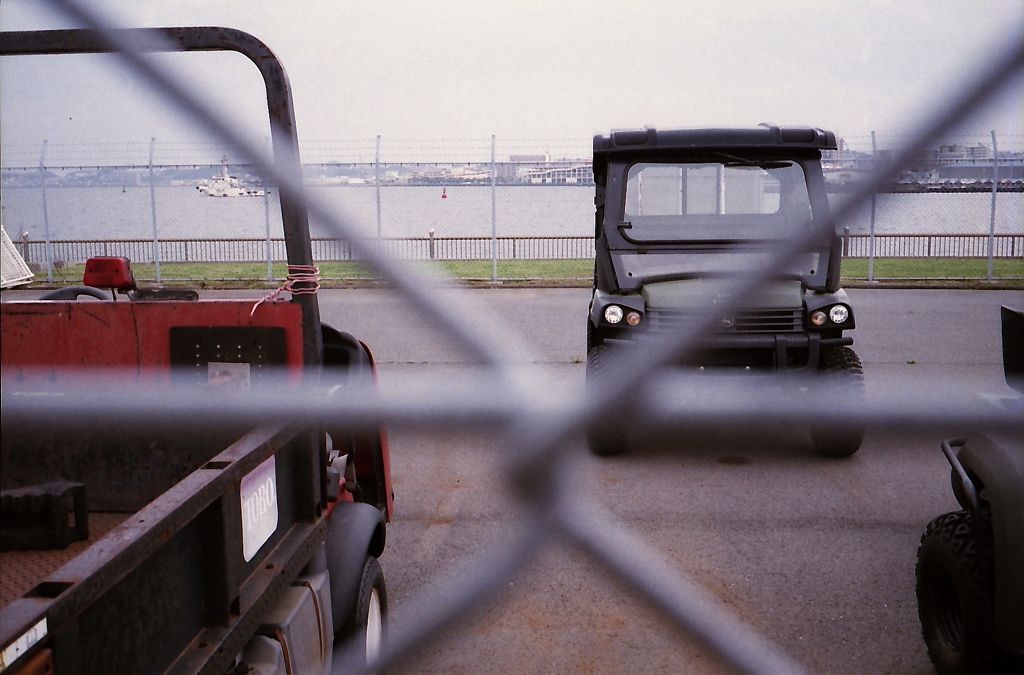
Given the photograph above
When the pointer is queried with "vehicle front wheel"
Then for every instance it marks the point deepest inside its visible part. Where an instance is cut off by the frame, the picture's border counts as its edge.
(368, 620)
(951, 599)
(604, 438)
(841, 370)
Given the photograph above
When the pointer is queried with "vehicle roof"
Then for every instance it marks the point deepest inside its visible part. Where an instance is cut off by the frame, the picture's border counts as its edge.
(640, 141)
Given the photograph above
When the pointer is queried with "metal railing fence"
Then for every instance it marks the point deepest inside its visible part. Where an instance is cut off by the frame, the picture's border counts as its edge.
(538, 429)
(254, 250)
(66, 252)
(933, 245)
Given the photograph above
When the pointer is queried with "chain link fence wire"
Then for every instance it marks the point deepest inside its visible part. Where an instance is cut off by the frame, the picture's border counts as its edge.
(539, 429)
(435, 201)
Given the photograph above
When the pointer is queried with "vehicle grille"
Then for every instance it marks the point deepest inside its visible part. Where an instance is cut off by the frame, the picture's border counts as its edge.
(744, 321)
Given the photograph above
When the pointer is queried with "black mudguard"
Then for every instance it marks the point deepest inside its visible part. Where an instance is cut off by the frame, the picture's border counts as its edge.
(349, 361)
(997, 461)
(354, 531)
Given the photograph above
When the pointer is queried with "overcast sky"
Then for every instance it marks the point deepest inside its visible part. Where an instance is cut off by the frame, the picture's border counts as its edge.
(531, 70)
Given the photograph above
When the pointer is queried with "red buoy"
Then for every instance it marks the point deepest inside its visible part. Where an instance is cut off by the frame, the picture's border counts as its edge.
(444, 194)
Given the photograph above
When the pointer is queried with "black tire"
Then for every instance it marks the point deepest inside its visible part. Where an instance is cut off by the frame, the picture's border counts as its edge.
(368, 620)
(604, 438)
(840, 367)
(952, 601)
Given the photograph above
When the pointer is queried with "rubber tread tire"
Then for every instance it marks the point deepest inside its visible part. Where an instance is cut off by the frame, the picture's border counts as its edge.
(372, 578)
(605, 439)
(841, 367)
(950, 570)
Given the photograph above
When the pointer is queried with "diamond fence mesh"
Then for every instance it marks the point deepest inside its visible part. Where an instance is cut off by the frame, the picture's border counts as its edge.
(536, 429)
(445, 207)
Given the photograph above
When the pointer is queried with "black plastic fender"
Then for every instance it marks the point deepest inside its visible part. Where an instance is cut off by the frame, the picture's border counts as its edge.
(354, 531)
(349, 361)
(600, 300)
(997, 460)
(344, 356)
(821, 300)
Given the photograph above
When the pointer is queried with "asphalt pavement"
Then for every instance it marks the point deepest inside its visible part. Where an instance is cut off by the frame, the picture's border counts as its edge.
(816, 554)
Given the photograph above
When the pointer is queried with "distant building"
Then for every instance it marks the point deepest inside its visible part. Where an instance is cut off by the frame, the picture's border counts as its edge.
(957, 152)
(529, 159)
(451, 175)
(581, 174)
(850, 176)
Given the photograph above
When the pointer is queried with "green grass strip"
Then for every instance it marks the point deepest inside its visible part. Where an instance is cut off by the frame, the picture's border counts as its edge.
(255, 274)
(933, 268)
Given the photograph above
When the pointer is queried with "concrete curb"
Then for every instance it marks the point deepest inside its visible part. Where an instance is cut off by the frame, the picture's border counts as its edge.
(919, 284)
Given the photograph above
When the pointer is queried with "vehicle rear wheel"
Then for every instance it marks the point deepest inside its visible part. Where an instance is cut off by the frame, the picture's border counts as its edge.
(604, 438)
(951, 599)
(840, 368)
(368, 620)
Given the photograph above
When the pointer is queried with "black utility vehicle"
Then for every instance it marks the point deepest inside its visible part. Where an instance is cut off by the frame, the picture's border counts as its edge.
(677, 212)
(970, 564)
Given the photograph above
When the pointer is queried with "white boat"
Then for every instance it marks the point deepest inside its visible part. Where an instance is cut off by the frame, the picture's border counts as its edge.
(226, 186)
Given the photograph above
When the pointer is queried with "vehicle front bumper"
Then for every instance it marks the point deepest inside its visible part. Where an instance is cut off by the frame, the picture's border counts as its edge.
(753, 351)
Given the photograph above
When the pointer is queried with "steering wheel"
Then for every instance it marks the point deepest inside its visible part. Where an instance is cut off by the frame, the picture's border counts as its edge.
(72, 293)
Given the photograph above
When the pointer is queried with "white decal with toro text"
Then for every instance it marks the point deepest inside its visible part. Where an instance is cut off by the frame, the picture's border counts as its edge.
(259, 507)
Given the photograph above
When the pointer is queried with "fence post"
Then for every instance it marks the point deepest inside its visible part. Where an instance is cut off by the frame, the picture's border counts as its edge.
(152, 203)
(992, 217)
(46, 219)
(846, 241)
(266, 220)
(430, 233)
(376, 174)
(871, 234)
(494, 217)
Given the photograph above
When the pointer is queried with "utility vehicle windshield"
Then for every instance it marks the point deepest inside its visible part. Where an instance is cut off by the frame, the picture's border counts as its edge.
(731, 200)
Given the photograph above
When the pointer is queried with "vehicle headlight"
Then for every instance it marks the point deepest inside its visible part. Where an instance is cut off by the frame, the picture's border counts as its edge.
(633, 318)
(818, 318)
(613, 314)
(838, 313)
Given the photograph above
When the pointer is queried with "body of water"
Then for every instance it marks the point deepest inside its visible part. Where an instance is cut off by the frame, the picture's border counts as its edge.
(411, 211)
